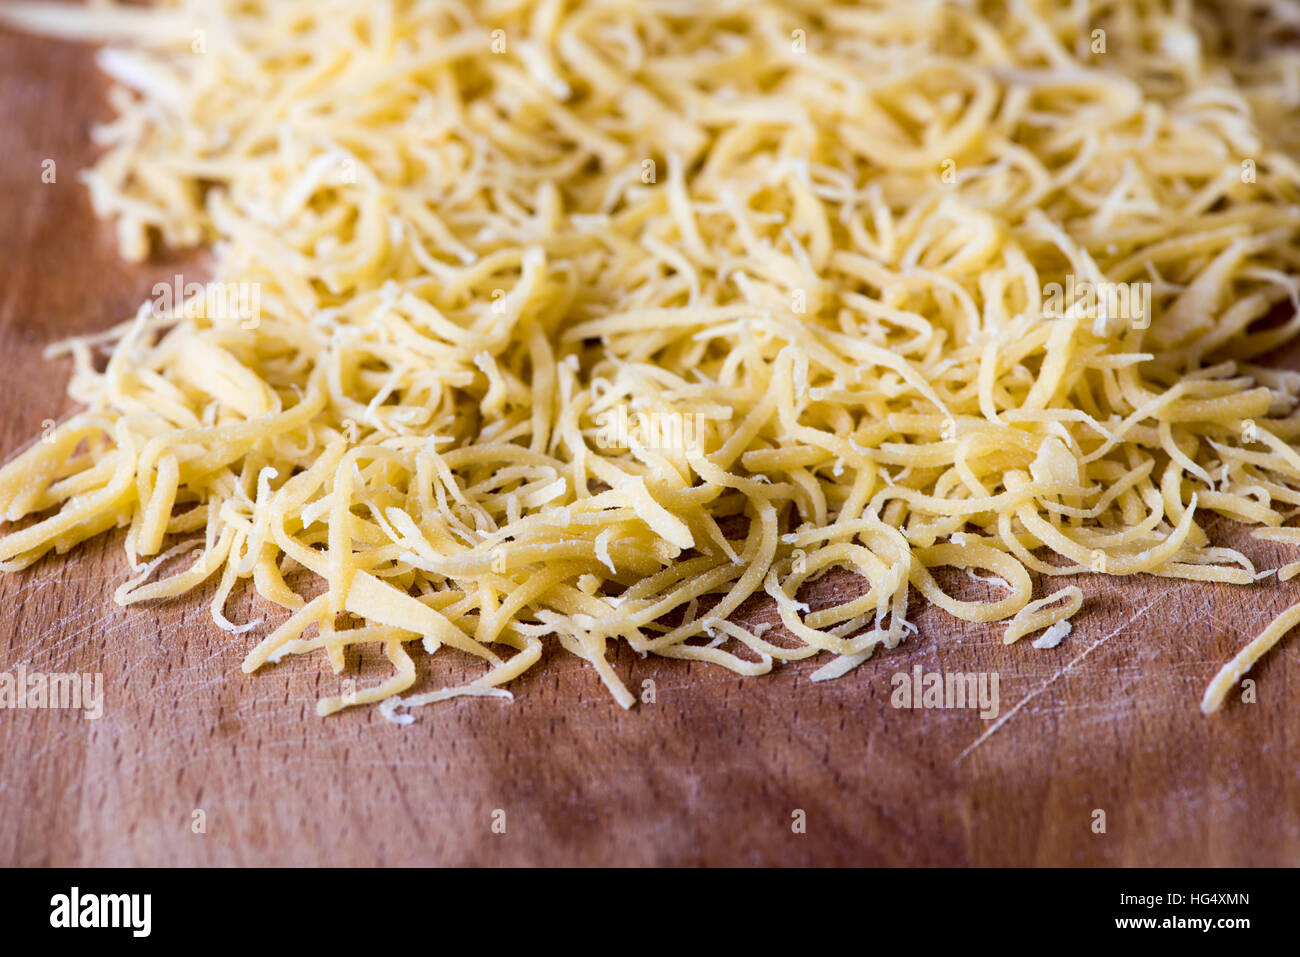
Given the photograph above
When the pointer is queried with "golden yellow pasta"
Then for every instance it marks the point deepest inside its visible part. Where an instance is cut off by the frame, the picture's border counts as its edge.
(588, 320)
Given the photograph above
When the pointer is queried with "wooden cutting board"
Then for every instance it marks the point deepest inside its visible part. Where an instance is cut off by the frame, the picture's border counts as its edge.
(714, 771)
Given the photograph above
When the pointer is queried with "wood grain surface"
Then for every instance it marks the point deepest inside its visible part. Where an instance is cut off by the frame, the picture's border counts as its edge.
(713, 772)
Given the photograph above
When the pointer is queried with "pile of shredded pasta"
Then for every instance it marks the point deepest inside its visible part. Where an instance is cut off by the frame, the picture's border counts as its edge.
(819, 239)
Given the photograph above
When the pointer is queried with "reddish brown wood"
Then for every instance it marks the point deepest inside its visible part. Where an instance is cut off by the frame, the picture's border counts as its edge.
(709, 774)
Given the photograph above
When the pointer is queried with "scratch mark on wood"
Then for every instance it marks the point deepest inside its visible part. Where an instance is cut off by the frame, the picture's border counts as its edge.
(1054, 678)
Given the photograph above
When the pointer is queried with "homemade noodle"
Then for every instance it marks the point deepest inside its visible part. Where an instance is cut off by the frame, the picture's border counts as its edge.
(595, 319)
